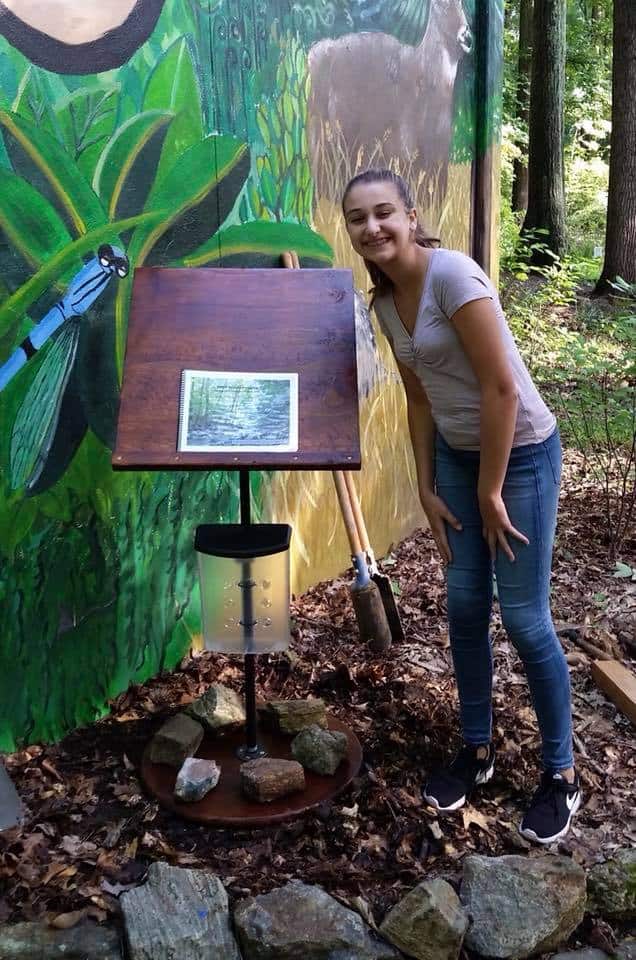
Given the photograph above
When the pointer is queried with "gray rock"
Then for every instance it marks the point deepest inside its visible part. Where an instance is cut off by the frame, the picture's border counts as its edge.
(35, 941)
(218, 709)
(301, 922)
(521, 907)
(611, 887)
(292, 716)
(180, 914)
(177, 739)
(626, 950)
(268, 778)
(196, 778)
(428, 923)
(319, 750)
(586, 953)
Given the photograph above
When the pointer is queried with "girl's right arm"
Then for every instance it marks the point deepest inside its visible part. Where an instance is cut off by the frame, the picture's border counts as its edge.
(422, 433)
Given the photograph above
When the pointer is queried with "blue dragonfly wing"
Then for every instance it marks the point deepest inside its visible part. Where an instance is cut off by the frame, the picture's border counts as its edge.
(37, 418)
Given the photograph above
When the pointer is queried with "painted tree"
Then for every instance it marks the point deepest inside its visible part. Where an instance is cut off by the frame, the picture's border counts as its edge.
(524, 64)
(546, 193)
(620, 238)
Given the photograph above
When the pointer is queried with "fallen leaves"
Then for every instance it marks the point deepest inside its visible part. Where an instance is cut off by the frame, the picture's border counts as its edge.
(92, 831)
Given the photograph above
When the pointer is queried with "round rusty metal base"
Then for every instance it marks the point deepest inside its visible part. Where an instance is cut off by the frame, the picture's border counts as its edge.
(225, 805)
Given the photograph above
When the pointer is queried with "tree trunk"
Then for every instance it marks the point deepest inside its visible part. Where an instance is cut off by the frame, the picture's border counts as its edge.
(620, 236)
(546, 194)
(520, 169)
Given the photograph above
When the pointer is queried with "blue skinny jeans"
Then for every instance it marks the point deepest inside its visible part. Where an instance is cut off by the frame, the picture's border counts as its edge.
(530, 493)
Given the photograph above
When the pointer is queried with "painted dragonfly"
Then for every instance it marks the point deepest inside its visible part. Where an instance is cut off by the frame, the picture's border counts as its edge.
(36, 423)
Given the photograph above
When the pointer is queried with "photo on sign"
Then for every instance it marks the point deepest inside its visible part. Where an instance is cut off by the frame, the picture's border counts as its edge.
(238, 412)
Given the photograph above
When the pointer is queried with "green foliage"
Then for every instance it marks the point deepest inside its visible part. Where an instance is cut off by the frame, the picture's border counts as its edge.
(97, 578)
(282, 186)
(586, 205)
(587, 115)
(583, 359)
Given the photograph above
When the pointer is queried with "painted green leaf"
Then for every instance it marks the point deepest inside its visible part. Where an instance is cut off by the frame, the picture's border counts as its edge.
(288, 111)
(261, 243)
(36, 94)
(173, 85)
(196, 196)
(87, 119)
(128, 164)
(42, 162)
(192, 201)
(275, 121)
(30, 222)
(261, 121)
(254, 198)
(287, 195)
(288, 149)
(268, 187)
(274, 163)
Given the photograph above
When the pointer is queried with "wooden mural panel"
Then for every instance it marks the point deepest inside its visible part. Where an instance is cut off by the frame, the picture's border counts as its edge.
(240, 321)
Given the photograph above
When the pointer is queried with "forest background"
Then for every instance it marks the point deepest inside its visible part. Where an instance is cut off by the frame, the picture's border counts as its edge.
(578, 340)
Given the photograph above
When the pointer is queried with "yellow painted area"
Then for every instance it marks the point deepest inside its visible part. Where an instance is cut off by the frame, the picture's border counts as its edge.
(387, 483)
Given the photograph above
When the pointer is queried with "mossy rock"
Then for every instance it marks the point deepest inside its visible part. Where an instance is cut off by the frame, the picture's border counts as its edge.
(611, 887)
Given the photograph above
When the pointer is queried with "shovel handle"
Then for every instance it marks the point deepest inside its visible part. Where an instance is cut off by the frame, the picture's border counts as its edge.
(357, 512)
(347, 512)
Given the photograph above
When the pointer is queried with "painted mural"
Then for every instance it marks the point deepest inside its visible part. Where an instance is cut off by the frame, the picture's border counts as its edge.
(186, 133)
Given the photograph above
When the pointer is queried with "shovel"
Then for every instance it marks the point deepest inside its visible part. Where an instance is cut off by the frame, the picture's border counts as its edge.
(367, 603)
(365, 596)
(382, 581)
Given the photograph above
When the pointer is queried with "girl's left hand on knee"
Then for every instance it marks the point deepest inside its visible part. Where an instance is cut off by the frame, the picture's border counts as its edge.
(497, 526)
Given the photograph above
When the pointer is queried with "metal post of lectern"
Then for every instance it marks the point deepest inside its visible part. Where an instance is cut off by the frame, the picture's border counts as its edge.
(251, 749)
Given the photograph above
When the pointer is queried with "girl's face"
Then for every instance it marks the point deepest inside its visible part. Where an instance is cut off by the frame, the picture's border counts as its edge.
(379, 226)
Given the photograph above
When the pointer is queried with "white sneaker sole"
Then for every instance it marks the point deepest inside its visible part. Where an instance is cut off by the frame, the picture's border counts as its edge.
(482, 777)
(531, 835)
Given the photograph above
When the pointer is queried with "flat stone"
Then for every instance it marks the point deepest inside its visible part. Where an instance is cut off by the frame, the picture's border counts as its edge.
(428, 923)
(177, 739)
(36, 941)
(302, 922)
(220, 708)
(196, 778)
(267, 779)
(611, 887)
(178, 914)
(292, 716)
(519, 906)
(319, 750)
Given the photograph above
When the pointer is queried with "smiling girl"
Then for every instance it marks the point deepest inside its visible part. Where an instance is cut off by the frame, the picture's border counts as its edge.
(488, 460)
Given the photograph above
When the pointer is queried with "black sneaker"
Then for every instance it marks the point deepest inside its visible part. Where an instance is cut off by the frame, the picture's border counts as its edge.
(552, 807)
(449, 789)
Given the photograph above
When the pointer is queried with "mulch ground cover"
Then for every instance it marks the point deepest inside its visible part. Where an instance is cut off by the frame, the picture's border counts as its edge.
(91, 831)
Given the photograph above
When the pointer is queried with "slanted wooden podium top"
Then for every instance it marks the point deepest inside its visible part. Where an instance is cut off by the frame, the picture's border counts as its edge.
(240, 320)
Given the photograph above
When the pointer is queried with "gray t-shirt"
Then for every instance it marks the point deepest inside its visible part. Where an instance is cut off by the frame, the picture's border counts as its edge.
(434, 352)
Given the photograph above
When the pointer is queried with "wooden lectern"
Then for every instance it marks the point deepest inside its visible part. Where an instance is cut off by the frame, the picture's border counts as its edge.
(241, 369)
(240, 320)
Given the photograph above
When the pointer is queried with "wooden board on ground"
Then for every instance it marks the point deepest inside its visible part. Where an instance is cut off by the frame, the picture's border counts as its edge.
(618, 683)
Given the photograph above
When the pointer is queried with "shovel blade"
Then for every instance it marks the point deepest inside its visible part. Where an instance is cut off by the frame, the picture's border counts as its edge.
(390, 606)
